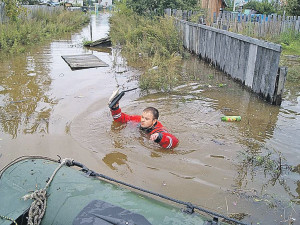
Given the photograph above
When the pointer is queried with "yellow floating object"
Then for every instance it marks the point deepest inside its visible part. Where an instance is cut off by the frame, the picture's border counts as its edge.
(231, 118)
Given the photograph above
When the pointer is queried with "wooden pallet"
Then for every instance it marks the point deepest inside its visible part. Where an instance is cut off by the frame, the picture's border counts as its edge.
(83, 61)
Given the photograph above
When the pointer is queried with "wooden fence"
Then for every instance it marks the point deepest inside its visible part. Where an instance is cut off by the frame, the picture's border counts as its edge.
(260, 26)
(254, 25)
(251, 61)
(43, 9)
(30, 10)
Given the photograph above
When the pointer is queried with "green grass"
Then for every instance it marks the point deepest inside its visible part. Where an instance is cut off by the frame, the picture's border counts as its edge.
(293, 48)
(16, 37)
(150, 44)
(290, 56)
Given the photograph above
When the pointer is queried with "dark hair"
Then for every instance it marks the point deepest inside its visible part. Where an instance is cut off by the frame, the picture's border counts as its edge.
(153, 110)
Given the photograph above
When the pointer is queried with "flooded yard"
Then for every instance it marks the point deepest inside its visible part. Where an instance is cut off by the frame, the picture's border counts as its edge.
(249, 169)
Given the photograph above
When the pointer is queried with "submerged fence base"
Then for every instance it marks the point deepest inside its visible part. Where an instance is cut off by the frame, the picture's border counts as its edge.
(251, 61)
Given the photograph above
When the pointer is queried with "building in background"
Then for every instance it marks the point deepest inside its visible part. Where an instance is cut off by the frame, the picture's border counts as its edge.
(73, 2)
(105, 3)
(238, 4)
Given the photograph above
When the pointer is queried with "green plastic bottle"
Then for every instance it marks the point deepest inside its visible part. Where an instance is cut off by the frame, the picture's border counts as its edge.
(231, 118)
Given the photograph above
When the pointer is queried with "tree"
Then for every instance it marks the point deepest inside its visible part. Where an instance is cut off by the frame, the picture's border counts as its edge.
(143, 7)
(293, 7)
(264, 7)
(229, 6)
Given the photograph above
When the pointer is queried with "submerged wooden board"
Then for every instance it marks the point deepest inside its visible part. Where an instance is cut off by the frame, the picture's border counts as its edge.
(101, 42)
(83, 61)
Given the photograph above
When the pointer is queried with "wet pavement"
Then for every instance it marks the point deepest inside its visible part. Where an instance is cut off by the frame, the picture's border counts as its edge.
(250, 167)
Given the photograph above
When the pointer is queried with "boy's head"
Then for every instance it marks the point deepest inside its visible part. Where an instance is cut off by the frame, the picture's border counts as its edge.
(149, 117)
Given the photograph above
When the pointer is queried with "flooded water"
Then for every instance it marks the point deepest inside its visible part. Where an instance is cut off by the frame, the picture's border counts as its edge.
(248, 168)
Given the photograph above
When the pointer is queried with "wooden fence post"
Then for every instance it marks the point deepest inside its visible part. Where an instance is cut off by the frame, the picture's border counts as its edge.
(281, 77)
(2, 14)
(297, 24)
(179, 14)
(168, 12)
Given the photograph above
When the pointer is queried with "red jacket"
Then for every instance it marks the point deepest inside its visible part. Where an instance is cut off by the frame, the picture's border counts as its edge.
(165, 139)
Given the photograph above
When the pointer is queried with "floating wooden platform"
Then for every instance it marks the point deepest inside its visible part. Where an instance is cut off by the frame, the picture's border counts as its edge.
(83, 61)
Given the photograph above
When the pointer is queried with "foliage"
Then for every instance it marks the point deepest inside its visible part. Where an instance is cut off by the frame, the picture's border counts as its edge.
(15, 36)
(85, 3)
(289, 36)
(29, 2)
(198, 14)
(293, 7)
(293, 73)
(269, 164)
(146, 7)
(263, 7)
(89, 2)
(86, 42)
(150, 44)
(229, 6)
(290, 42)
(13, 9)
(291, 59)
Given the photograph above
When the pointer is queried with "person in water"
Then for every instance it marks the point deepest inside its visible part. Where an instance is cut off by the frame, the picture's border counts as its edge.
(147, 122)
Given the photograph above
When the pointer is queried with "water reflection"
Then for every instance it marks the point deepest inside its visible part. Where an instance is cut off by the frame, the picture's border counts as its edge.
(298, 191)
(258, 118)
(119, 63)
(296, 169)
(117, 140)
(292, 93)
(25, 106)
(271, 165)
(101, 49)
(258, 159)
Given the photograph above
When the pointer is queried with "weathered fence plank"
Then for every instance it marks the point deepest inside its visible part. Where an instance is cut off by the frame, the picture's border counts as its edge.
(31, 9)
(197, 40)
(2, 14)
(282, 72)
(251, 61)
(187, 34)
(250, 68)
(217, 51)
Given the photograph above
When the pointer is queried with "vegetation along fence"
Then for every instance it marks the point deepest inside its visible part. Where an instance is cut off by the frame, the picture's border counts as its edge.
(30, 10)
(251, 61)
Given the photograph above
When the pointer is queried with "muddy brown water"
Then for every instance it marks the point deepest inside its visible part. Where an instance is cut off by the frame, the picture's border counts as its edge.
(47, 109)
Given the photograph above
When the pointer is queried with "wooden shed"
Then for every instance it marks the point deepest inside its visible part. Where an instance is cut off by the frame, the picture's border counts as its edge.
(213, 6)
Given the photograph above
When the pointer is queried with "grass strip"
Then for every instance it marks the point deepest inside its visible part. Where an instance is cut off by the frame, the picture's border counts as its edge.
(17, 36)
(151, 44)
